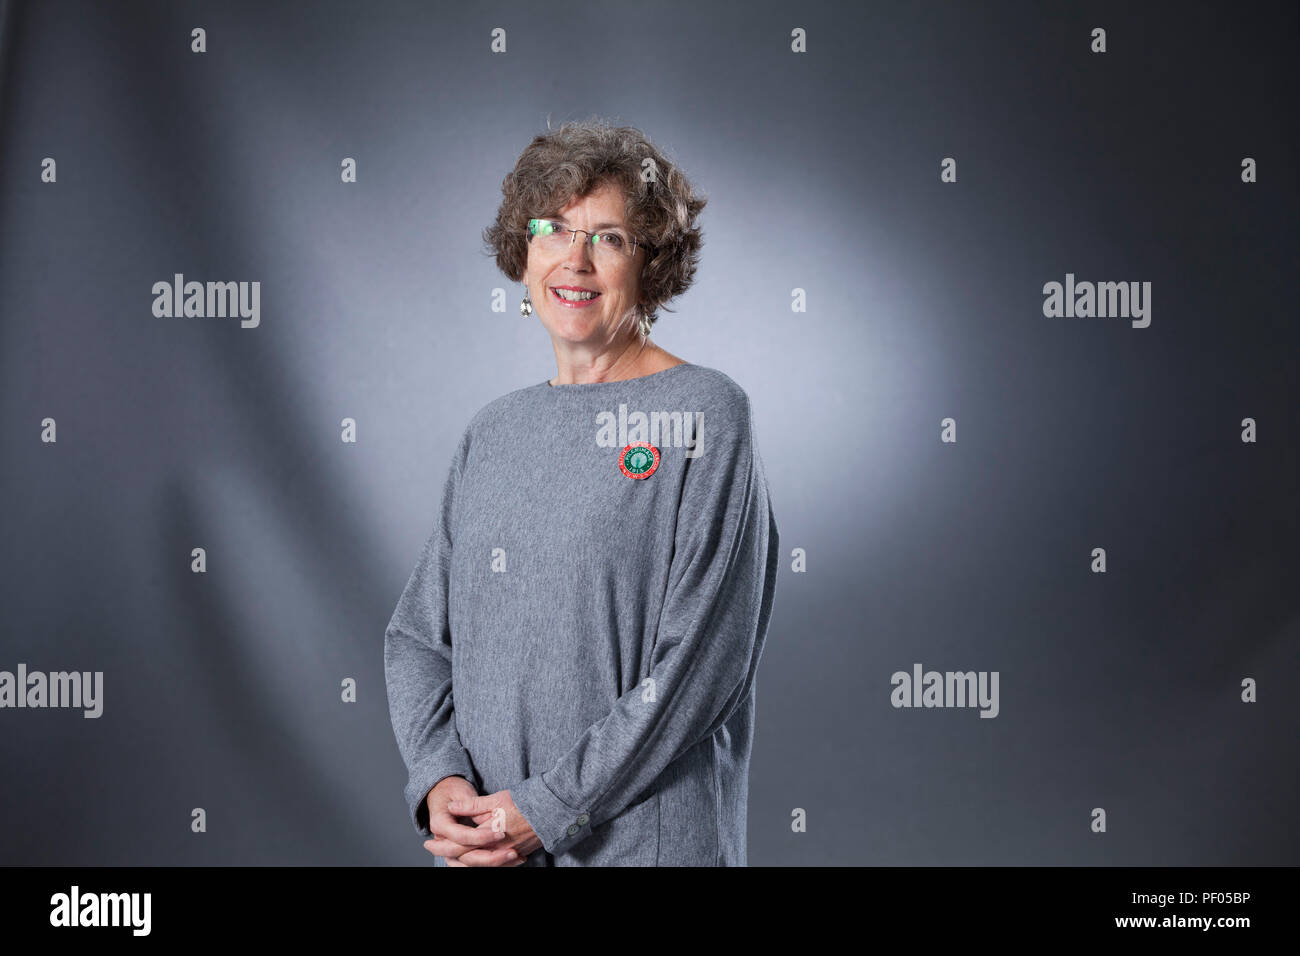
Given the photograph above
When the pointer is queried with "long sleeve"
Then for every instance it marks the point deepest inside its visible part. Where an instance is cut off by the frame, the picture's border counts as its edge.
(417, 663)
(720, 586)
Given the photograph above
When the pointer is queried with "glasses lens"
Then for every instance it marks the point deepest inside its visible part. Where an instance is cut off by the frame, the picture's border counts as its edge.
(612, 242)
(555, 237)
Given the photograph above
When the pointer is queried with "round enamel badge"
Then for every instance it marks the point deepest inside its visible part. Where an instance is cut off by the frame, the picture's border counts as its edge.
(639, 459)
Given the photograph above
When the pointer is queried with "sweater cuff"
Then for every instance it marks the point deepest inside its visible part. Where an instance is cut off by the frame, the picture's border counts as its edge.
(556, 824)
(425, 776)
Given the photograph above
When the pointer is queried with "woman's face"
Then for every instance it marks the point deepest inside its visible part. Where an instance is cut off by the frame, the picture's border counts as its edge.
(616, 279)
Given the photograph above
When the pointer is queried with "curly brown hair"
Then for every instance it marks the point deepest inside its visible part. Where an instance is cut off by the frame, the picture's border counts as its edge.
(567, 163)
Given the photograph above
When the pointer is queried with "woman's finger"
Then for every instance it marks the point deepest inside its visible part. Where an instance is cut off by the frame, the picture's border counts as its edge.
(503, 857)
(443, 824)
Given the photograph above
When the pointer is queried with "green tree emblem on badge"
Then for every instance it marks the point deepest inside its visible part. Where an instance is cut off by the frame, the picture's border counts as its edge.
(639, 460)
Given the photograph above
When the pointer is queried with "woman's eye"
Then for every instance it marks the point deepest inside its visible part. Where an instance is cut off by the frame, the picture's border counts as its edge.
(611, 239)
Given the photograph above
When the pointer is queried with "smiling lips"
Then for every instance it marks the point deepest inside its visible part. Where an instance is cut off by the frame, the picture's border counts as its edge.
(580, 297)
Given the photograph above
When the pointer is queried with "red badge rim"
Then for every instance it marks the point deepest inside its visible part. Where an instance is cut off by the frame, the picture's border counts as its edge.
(654, 452)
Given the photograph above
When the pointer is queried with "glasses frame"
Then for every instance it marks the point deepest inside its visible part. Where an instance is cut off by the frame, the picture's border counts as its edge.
(528, 234)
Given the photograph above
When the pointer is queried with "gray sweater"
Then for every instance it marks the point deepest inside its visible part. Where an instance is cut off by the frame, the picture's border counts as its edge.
(585, 621)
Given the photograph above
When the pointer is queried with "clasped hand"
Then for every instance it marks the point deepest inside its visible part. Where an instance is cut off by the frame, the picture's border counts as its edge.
(499, 836)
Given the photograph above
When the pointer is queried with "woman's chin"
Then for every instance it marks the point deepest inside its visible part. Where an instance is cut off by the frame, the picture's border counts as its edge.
(573, 328)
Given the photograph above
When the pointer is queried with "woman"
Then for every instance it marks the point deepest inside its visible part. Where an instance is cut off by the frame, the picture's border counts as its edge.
(571, 665)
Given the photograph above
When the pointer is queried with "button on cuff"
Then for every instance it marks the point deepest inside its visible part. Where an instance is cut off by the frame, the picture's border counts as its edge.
(558, 825)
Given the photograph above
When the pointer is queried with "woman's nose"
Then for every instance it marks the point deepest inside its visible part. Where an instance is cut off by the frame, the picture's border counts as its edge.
(579, 250)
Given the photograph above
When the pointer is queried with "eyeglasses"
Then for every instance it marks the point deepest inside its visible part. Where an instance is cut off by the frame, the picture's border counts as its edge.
(557, 238)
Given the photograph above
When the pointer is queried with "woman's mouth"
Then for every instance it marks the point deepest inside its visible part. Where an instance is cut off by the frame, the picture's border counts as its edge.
(577, 299)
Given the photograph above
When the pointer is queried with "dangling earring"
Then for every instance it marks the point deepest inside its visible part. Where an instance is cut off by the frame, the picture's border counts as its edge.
(526, 307)
(644, 323)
